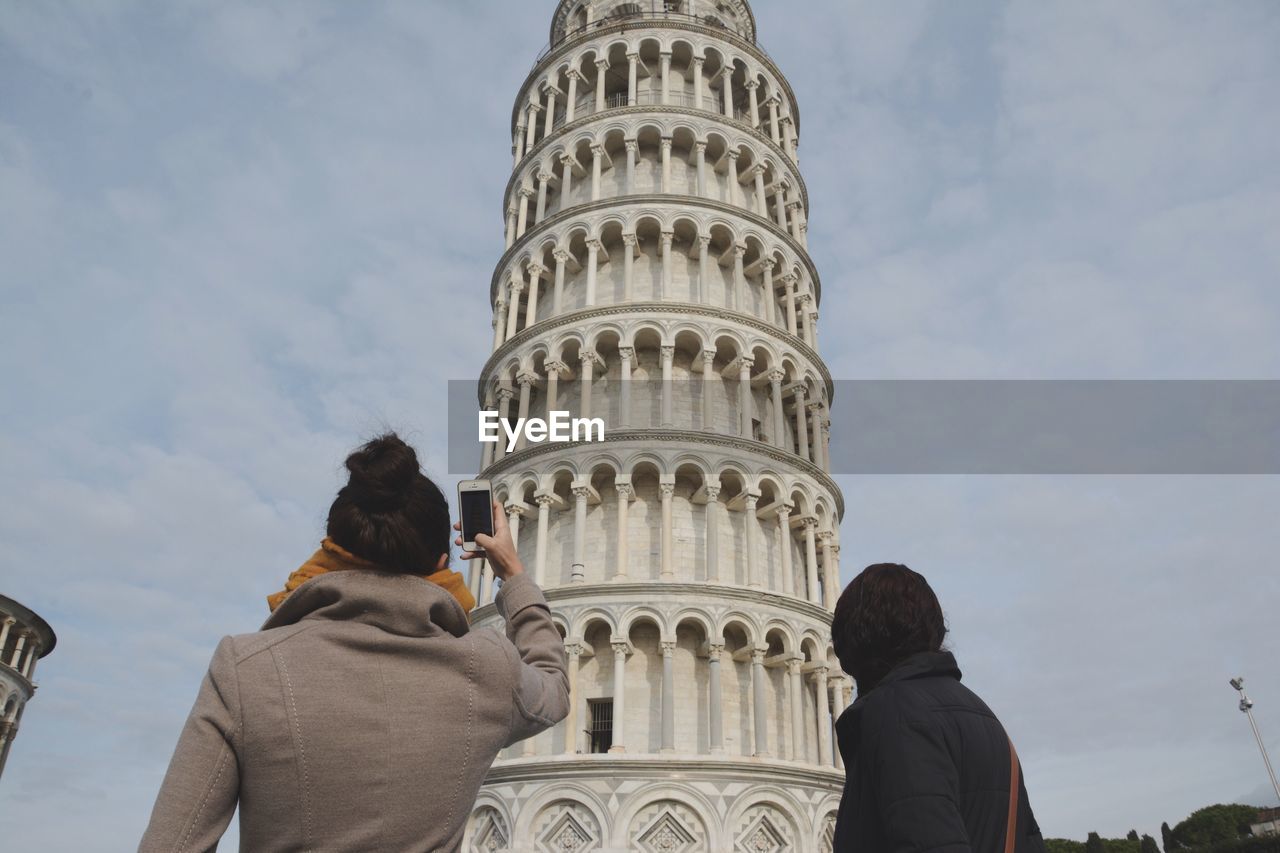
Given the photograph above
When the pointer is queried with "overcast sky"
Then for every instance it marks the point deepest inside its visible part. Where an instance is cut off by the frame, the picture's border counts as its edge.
(238, 238)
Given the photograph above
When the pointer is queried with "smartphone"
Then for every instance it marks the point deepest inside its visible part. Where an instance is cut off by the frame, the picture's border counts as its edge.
(475, 503)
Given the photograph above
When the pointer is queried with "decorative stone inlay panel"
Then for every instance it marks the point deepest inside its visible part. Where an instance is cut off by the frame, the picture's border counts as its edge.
(667, 826)
(490, 833)
(827, 833)
(566, 826)
(764, 829)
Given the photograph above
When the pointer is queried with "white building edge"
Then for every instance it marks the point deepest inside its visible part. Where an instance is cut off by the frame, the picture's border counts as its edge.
(656, 230)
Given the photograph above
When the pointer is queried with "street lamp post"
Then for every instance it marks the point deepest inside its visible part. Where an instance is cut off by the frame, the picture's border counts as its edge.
(1246, 705)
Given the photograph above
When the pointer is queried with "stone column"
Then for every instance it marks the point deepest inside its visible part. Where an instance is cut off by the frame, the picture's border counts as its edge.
(5, 628)
(522, 222)
(486, 454)
(570, 103)
(544, 521)
(626, 494)
(550, 123)
(517, 146)
(516, 286)
(739, 280)
(734, 189)
(806, 316)
(830, 576)
(543, 179)
(29, 668)
(597, 160)
(753, 103)
(531, 125)
(780, 203)
(668, 697)
(668, 362)
(779, 417)
(536, 272)
(795, 691)
(802, 428)
(514, 512)
(557, 295)
(708, 383)
(574, 652)
(578, 571)
(499, 321)
(811, 560)
(714, 653)
(486, 583)
(633, 148)
(566, 181)
(752, 525)
(713, 533)
(700, 149)
(784, 542)
(667, 289)
(824, 717)
(511, 227)
(525, 382)
(593, 256)
(774, 129)
(789, 282)
(789, 139)
(632, 87)
(762, 206)
(588, 360)
(504, 411)
(795, 206)
(727, 91)
(666, 77)
(628, 265)
(815, 428)
(697, 82)
(665, 145)
(770, 298)
(602, 65)
(744, 397)
(667, 490)
(704, 274)
(759, 703)
(554, 369)
(624, 385)
(620, 650)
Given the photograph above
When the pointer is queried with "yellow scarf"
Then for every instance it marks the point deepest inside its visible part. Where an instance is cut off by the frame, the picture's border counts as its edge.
(332, 557)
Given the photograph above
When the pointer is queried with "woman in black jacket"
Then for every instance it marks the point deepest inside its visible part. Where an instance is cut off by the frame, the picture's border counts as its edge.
(928, 766)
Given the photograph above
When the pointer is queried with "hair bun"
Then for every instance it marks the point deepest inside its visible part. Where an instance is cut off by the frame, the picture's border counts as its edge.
(382, 473)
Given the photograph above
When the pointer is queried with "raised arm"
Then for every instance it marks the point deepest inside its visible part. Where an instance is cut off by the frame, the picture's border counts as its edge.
(200, 789)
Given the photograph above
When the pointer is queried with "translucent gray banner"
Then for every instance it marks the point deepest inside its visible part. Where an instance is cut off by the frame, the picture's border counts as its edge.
(928, 426)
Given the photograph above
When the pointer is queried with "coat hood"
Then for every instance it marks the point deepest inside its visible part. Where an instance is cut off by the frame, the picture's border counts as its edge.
(404, 605)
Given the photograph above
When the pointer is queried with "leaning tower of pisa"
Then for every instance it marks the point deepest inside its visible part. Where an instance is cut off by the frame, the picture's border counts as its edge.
(656, 276)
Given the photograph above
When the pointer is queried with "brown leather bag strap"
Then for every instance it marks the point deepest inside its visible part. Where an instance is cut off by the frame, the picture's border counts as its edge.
(1011, 834)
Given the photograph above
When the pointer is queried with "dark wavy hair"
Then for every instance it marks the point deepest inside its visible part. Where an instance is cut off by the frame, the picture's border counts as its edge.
(389, 512)
(885, 615)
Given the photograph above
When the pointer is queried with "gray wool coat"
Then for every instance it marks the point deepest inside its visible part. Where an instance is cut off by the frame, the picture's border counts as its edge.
(362, 717)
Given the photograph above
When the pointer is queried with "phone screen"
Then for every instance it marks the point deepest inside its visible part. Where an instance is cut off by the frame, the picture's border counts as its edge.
(477, 514)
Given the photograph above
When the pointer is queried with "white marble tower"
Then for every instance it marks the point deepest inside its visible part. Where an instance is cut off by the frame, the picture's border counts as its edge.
(656, 275)
(24, 639)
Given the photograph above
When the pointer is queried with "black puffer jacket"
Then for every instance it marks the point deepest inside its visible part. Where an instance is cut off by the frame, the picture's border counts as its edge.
(927, 767)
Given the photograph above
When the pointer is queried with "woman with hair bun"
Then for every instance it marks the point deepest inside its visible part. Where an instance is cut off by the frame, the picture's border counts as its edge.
(366, 712)
(928, 767)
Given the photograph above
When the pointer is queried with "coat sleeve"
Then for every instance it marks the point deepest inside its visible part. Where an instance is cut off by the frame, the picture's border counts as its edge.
(200, 789)
(918, 794)
(542, 678)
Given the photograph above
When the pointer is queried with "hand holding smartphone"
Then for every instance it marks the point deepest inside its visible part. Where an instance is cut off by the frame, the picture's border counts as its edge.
(483, 529)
